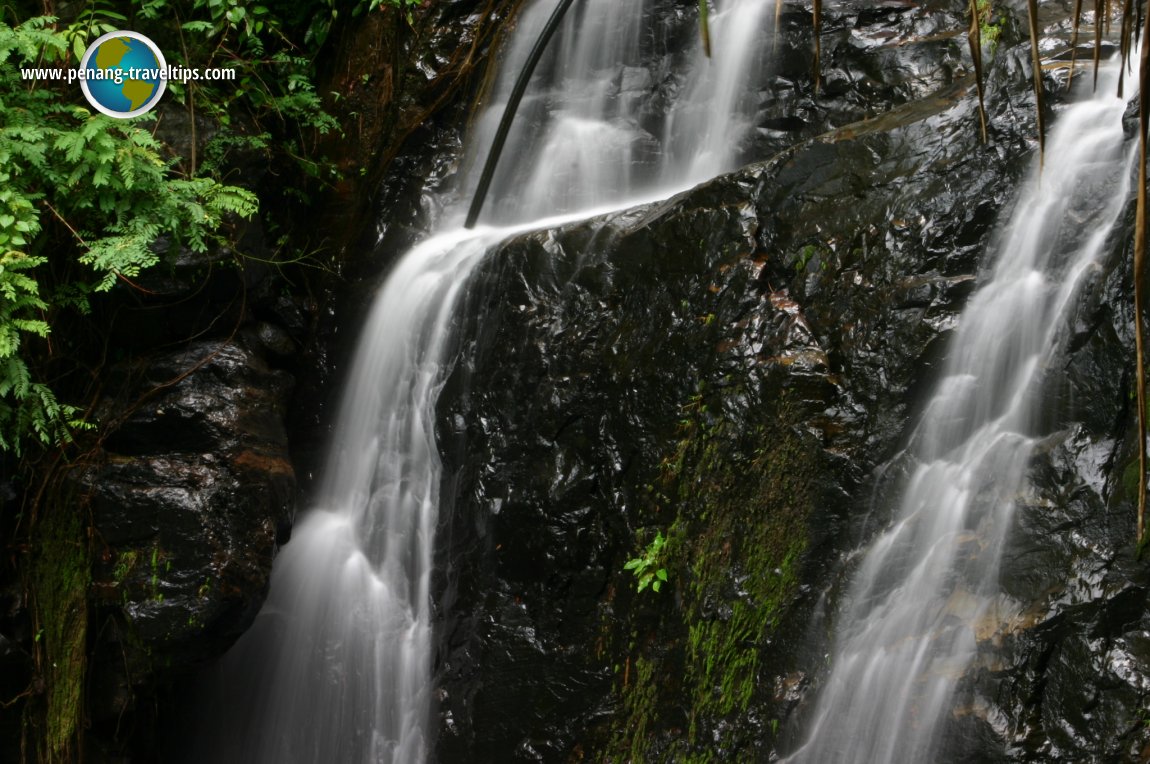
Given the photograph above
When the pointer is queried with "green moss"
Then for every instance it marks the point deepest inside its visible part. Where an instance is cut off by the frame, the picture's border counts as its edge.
(1131, 477)
(988, 30)
(60, 576)
(741, 500)
(125, 564)
(815, 253)
(745, 557)
(639, 706)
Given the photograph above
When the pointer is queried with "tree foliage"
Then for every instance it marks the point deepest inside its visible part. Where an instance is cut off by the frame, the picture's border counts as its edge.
(84, 199)
(106, 184)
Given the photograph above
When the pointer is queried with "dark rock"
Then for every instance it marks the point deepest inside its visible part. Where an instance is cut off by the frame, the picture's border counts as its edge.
(15, 670)
(404, 98)
(183, 135)
(16, 674)
(186, 500)
(726, 367)
(275, 341)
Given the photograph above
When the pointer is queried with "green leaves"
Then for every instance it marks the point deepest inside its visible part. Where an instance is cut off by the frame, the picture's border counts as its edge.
(32, 40)
(98, 194)
(19, 298)
(647, 567)
(96, 18)
(26, 408)
(18, 221)
(108, 191)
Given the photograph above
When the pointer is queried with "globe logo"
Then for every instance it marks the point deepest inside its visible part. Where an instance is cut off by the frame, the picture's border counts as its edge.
(123, 74)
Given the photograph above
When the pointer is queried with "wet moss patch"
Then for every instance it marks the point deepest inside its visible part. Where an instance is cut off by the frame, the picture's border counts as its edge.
(740, 486)
(60, 578)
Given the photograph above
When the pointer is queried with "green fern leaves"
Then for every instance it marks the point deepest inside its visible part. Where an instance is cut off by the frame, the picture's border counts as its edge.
(103, 184)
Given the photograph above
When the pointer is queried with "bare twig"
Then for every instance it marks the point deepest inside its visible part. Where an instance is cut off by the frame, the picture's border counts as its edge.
(1139, 267)
(1074, 42)
(705, 27)
(818, 42)
(975, 39)
(1036, 64)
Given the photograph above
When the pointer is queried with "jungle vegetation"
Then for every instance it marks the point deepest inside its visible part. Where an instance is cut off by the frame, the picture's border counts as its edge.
(87, 202)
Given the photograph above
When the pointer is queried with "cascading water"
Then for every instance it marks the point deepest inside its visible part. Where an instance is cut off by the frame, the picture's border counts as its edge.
(600, 129)
(925, 597)
(337, 667)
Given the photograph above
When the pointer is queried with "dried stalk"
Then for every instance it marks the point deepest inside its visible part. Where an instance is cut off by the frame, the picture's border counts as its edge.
(1139, 267)
(1126, 33)
(1097, 39)
(975, 39)
(818, 42)
(705, 27)
(1036, 64)
(1074, 42)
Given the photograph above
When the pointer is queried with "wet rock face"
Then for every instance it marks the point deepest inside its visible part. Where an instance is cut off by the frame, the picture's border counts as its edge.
(405, 90)
(874, 57)
(725, 369)
(190, 494)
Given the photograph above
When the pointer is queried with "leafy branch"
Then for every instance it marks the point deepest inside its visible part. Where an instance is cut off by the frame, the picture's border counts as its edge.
(648, 568)
(105, 183)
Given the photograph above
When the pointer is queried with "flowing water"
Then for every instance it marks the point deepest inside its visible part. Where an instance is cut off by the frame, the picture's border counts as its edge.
(338, 666)
(925, 597)
(606, 121)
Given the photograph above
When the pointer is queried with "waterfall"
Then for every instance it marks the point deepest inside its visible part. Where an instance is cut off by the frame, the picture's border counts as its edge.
(925, 597)
(602, 127)
(338, 665)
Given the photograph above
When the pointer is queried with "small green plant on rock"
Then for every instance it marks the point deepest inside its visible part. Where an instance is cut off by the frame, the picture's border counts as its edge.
(125, 564)
(990, 31)
(647, 568)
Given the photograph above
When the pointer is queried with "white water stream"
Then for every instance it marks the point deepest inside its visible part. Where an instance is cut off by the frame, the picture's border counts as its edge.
(337, 667)
(926, 597)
